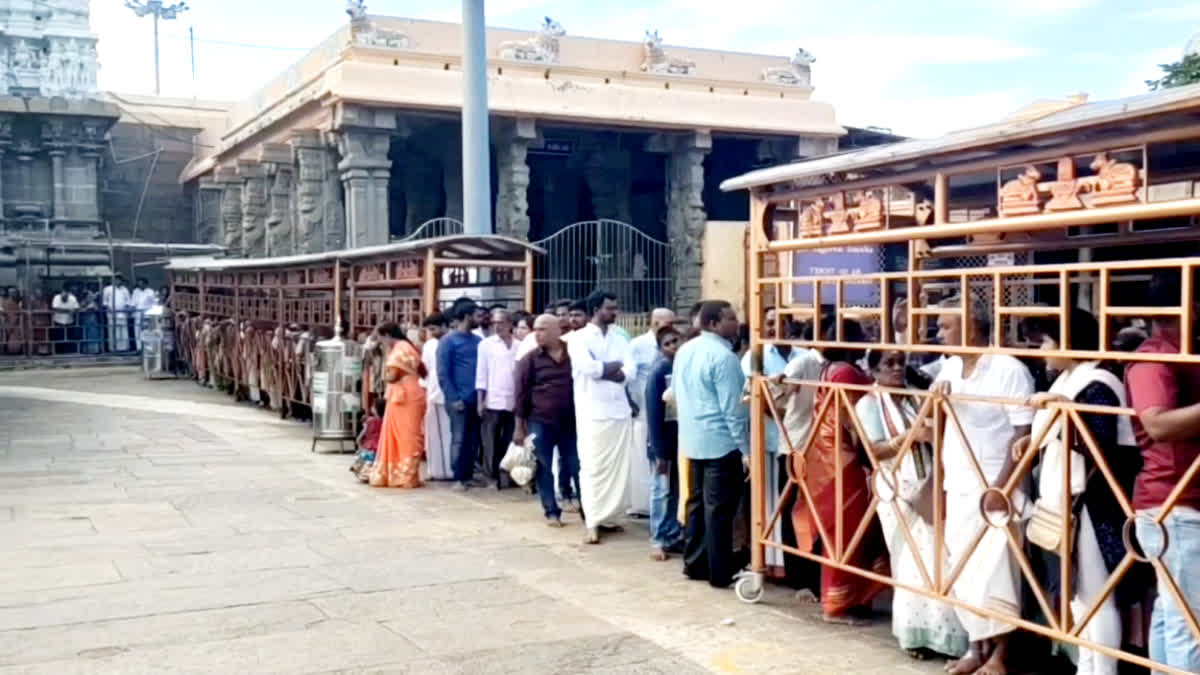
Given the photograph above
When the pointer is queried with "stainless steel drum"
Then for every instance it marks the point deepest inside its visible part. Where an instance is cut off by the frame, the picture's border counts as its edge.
(336, 371)
(158, 344)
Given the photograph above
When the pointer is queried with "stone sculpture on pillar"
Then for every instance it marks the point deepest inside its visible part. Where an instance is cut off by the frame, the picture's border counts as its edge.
(254, 208)
(686, 216)
(512, 178)
(309, 149)
(277, 160)
(231, 208)
(208, 211)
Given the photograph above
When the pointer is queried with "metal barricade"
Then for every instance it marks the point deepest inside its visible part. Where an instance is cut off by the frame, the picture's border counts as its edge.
(29, 334)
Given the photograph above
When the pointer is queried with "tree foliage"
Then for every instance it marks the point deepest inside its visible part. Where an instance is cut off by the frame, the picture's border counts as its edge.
(1185, 71)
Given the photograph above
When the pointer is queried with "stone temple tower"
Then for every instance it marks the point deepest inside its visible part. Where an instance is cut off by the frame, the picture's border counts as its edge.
(53, 135)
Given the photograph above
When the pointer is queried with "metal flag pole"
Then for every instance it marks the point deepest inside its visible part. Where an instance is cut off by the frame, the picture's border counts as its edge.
(477, 184)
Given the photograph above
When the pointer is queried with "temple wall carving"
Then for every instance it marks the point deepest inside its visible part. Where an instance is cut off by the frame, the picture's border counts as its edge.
(231, 209)
(686, 215)
(254, 208)
(310, 155)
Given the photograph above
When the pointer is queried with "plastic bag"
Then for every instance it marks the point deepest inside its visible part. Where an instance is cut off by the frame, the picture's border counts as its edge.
(520, 462)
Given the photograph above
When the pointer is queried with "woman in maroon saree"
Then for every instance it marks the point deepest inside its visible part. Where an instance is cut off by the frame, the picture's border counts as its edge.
(845, 597)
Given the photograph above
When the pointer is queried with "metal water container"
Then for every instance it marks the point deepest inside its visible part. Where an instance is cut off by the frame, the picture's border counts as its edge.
(157, 345)
(336, 371)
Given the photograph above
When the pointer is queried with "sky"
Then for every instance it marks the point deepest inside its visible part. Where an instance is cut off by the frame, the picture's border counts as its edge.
(919, 68)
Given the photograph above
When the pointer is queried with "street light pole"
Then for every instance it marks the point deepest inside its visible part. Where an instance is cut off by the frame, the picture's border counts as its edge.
(158, 10)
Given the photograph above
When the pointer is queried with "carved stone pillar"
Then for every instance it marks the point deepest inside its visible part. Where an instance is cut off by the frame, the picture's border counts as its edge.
(310, 152)
(512, 178)
(91, 148)
(686, 216)
(208, 211)
(277, 160)
(55, 142)
(5, 142)
(231, 209)
(254, 208)
(365, 170)
(333, 202)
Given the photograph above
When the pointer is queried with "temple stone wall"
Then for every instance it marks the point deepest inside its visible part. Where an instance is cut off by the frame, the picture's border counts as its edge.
(149, 159)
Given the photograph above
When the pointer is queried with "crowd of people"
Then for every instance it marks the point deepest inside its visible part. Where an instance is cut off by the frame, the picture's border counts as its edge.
(79, 318)
(659, 425)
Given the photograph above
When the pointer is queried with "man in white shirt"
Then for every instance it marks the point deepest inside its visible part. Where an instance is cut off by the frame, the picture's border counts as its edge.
(494, 382)
(439, 454)
(65, 335)
(142, 300)
(991, 578)
(117, 301)
(601, 364)
(644, 352)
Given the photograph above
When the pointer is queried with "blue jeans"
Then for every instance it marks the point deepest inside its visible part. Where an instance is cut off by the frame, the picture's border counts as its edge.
(546, 437)
(665, 530)
(1171, 641)
(465, 435)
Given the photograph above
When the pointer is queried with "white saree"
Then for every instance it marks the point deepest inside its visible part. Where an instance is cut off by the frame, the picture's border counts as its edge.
(917, 622)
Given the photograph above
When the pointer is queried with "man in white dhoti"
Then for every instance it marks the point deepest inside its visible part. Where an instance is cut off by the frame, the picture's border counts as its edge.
(116, 300)
(142, 300)
(644, 349)
(991, 578)
(439, 453)
(601, 363)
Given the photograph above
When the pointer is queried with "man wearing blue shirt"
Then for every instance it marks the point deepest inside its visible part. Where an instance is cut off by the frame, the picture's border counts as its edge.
(457, 357)
(714, 430)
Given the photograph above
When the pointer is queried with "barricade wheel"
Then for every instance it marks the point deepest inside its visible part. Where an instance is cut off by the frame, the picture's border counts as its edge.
(749, 587)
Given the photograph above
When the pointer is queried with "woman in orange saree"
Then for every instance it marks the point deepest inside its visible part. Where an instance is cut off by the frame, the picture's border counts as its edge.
(845, 597)
(402, 440)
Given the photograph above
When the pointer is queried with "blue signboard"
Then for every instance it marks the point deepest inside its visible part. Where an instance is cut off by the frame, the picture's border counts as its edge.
(839, 261)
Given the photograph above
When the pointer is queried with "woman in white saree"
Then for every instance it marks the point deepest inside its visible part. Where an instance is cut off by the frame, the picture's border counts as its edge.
(906, 494)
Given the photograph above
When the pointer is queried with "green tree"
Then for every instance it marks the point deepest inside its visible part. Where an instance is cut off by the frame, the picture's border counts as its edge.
(1177, 74)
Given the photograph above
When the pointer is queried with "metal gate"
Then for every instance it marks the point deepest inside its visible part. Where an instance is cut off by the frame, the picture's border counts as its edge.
(608, 255)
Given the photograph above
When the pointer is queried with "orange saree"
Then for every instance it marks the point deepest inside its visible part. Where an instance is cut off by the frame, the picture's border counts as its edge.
(402, 441)
(818, 468)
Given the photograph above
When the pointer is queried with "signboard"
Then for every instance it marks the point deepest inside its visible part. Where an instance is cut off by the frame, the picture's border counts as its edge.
(838, 261)
(553, 146)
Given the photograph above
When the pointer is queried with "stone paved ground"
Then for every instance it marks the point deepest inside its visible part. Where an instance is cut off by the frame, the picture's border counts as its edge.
(155, 527)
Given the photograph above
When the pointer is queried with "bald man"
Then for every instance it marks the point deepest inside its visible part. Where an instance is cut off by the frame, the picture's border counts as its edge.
(545, 407)
(645, 352)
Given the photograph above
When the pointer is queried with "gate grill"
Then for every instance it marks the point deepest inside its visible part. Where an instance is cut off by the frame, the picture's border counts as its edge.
(609, 255)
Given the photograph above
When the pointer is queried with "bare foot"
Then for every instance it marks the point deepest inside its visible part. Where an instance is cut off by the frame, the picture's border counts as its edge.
(592, 536)
(994, 665)
(996, 662)
(846, 620)
(966, 665)
(659, 555)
